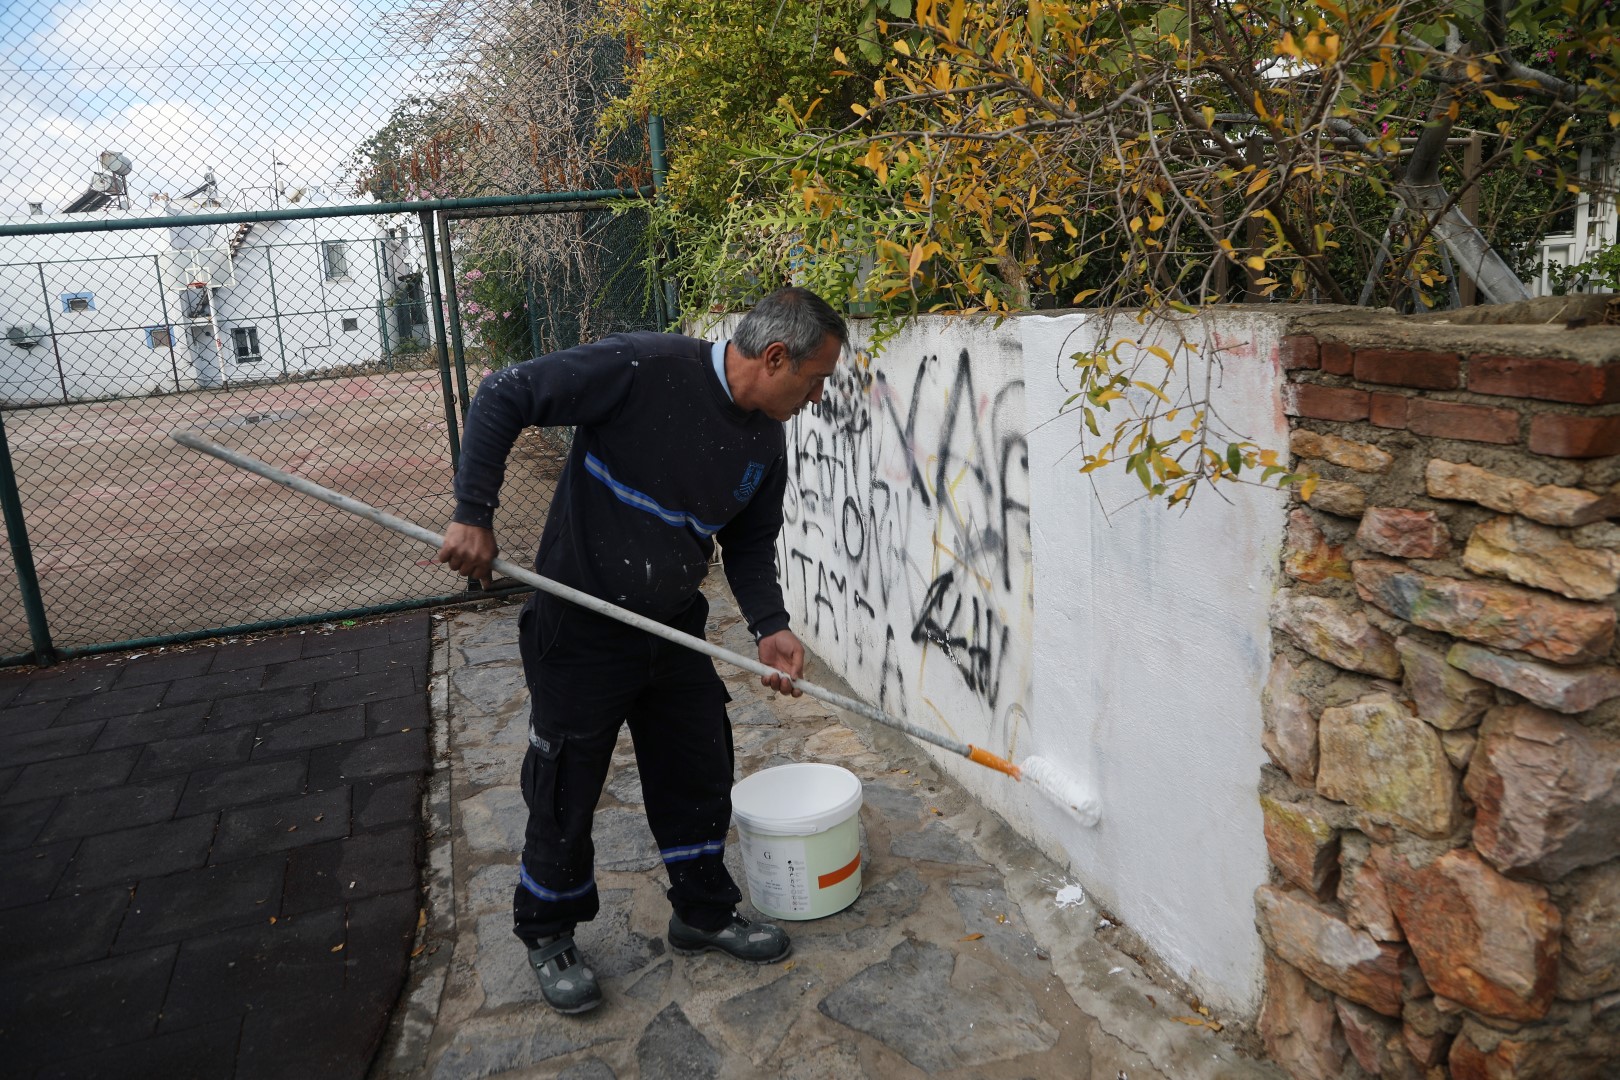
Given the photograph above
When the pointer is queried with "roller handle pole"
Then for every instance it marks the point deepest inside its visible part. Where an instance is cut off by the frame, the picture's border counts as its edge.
(585, 600)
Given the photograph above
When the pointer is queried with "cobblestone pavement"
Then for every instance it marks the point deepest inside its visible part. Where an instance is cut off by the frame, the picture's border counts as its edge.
(211, 855)
(956, 960)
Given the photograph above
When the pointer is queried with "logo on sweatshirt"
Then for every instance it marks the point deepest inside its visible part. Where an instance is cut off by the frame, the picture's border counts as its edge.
(750, 482)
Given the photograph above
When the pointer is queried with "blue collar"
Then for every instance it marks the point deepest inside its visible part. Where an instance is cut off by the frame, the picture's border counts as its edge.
(718, 357)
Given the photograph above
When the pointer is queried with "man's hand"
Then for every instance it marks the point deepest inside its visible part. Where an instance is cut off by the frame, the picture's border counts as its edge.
(469, 550)
(785, 653)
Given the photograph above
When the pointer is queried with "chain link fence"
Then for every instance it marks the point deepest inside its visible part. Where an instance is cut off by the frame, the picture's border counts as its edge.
(268, 223)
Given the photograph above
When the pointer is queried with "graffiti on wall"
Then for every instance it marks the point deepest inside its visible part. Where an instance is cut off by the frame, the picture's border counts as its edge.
(906, 533)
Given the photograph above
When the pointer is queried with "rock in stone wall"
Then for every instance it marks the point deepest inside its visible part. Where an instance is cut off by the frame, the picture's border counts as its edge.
(1443, 709)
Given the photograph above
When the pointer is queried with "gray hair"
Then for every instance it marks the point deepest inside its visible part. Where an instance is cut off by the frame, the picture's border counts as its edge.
(796, 317)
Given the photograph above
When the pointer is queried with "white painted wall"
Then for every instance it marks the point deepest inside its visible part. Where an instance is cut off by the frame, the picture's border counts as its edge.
(943, 553)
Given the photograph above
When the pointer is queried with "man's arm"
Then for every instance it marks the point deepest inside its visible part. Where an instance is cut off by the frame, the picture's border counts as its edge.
(582, 385)
(749, 543)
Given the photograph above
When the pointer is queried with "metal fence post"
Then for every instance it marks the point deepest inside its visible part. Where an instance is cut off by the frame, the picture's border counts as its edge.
(22, 556)
(447, 260)
(431, 251)
(50, 321)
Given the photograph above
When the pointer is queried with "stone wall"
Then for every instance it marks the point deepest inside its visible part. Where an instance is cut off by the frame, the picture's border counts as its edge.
(1442, 713)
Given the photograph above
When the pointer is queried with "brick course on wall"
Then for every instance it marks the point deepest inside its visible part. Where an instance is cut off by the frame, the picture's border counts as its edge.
(1442, 715)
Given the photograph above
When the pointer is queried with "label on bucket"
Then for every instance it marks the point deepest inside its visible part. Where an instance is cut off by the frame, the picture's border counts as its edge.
(778, 872)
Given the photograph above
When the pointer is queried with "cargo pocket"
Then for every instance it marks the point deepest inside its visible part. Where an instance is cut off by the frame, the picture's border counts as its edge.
(539, 781)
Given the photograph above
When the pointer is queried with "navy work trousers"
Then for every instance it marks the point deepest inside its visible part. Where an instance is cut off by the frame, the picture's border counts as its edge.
(587, 675)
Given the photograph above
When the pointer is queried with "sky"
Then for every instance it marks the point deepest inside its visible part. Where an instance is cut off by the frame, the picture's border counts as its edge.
(180, 88)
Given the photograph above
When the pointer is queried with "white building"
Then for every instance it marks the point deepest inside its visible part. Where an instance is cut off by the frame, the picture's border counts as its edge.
(145, 311)
(1596, 224)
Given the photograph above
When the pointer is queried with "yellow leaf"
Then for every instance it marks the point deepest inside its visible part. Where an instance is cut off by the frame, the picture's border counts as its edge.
(1150, 388)
(971, 937)
(1108, 395)
(1308, 488)
(857, 108)
(1261, 180)
(1375, 74)
(1614, 119)
(338, 947)
(901, 47)
(1190, 1021)
(1162, 354)
(1157, 201)
(1155, 223)
(1255, 262)
(953, 25)
(1209, 116)
(1500, 102)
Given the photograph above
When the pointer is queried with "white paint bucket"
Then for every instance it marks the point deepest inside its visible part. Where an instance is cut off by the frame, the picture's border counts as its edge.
(799, 830)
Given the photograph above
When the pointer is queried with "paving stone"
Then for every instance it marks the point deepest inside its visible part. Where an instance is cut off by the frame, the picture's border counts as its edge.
(308, 672)
(625, 785)
(159, 668)
(57, 934)
(892, 899)
(348, 639)
(68, 1007)
(493, 821)
(199, 902)
(267, 966)
(487, 691)
(492, 1046)
(68, 776)
(754, 713)
(377, 952)
(672, 1049)
(258, 708)
(652, 985)
(200, 1053)
(20, 824)
(242, 785)
(329, 1035)
(490, 654)
(131, 855)
(17, 718)
(359, 689)
(32, 873)
(925, 1004)
(278, 826)
(985, 909)
(594, 1069)
(186, 754)
(341, 871)
(279, 737)
(112, 703)
(758, 1020)
(381, 755)
(165, 723)
(260, 653)
(387, 802)
(7, 775)
(490, 889)
(934, 843)
(614, 948)
(215, 686)
(896, 804)
(397, 714)
(119, 807)
(48, 744)
(417, 628)
(624, 841)
(68, 681)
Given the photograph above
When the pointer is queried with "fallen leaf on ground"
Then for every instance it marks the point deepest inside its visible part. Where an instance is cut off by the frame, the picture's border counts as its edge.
(421, 918)
(971, 937)
(338, 947)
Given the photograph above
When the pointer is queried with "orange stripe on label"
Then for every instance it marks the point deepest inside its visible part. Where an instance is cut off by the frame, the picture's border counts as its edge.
(827, 881)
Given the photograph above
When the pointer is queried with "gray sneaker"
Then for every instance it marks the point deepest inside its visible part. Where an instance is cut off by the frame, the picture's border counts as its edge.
(565, 982)
(754, 943)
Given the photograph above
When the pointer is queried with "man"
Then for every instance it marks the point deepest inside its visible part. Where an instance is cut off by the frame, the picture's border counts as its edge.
(677, 442)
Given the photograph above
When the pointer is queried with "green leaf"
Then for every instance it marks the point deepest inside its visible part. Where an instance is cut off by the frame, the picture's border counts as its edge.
(900, 9)
(1234, 458)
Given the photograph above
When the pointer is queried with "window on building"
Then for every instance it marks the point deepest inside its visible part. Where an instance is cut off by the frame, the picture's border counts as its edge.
(335, 257)
(159, 337)
(247, 343)
(351, 324)
(78, 301)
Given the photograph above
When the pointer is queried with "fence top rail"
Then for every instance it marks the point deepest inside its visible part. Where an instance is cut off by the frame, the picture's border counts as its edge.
(47, 228)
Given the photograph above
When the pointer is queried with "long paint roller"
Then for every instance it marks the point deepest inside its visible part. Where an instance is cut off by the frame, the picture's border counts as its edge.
(1038, 771)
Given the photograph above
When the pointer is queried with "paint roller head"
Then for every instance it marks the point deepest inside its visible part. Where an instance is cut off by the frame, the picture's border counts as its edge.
(1063, 789)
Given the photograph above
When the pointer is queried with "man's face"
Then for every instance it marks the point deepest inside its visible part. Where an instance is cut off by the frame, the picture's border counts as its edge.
(787, 391)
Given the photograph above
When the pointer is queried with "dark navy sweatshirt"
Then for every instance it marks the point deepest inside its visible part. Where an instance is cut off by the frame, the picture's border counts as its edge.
(663, 463)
